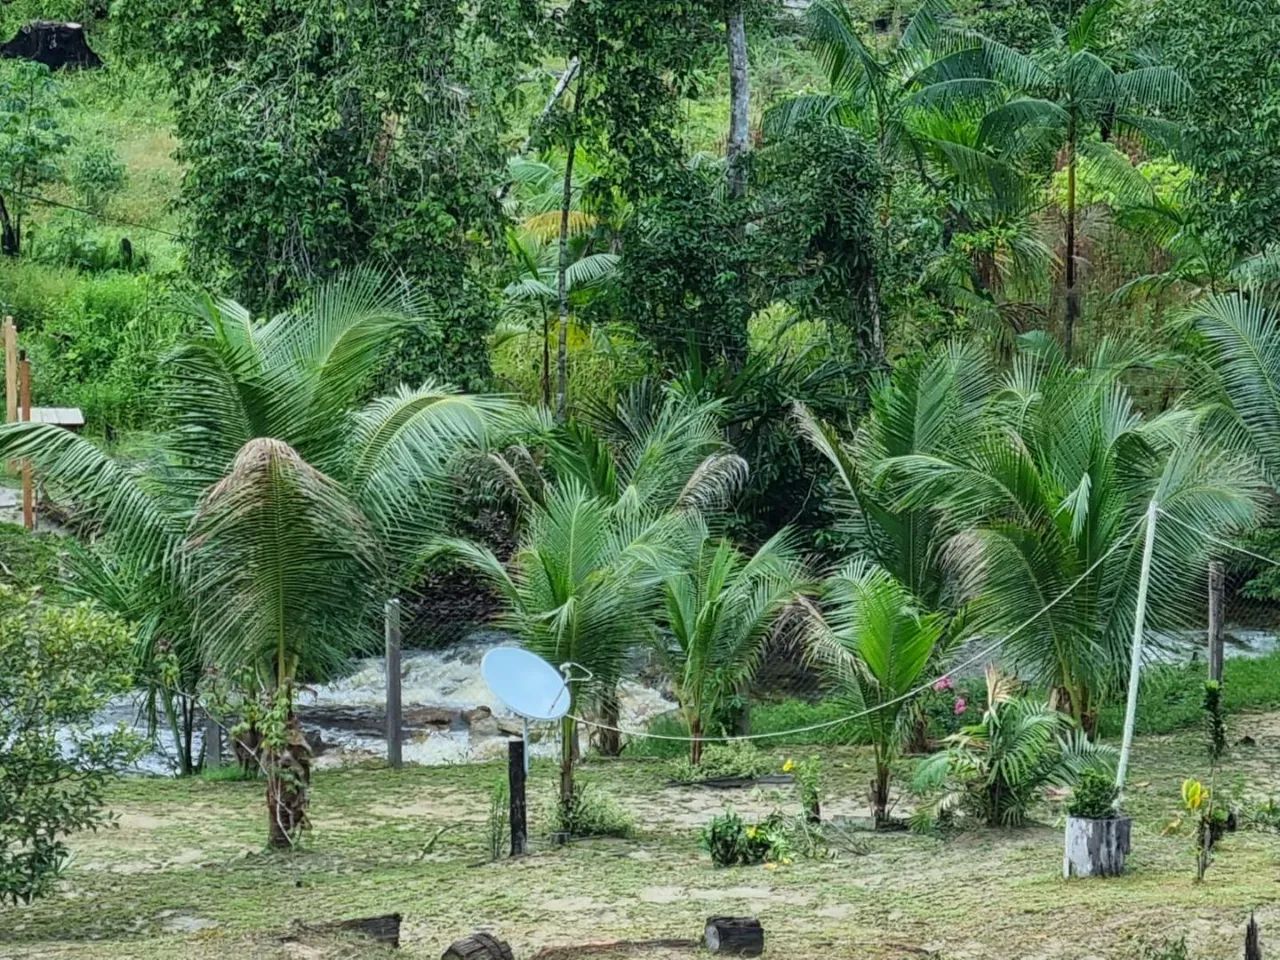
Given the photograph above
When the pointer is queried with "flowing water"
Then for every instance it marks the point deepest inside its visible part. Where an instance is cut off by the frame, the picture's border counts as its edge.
(442, 692)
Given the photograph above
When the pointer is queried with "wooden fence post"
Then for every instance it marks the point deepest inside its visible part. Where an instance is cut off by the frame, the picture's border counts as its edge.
(10, 370)
(28, 488)
(1217, 590)
(394, 725)
(212, 742)
(516, 792)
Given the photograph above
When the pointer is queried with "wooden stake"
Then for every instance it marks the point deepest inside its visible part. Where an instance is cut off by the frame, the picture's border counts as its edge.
(394, 731)
(1217, 591)
(515, 783)
(28, 489)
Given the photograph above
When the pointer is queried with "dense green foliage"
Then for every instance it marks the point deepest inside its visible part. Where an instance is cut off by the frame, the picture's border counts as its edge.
(58, 667)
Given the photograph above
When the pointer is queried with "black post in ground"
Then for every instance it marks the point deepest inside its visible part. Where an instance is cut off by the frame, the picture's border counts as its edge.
(515, 781)
(1217, 589)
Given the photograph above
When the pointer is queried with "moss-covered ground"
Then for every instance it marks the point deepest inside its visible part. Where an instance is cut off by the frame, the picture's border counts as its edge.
(184, 874)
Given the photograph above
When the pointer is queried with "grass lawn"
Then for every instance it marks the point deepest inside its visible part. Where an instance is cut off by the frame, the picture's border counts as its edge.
(184, 875)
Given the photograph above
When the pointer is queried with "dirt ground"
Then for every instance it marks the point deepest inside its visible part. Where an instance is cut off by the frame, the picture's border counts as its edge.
(184, 874)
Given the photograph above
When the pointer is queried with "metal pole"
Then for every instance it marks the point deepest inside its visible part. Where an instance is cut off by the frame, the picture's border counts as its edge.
(1135, 661)
(394, 732)
(1217, 589)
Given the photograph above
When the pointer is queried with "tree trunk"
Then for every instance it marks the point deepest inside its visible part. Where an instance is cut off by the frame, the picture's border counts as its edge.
(739, 100)
(546, 359)
(568, 735)
(609, 741)
(879, 794)
(1073, 295)
(1095, 848)
(10, 233)
(288, 786)
(695, 741)
(562, 288)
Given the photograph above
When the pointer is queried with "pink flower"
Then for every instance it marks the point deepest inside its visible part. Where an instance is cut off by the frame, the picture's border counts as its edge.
(943, 683)
(961, 705)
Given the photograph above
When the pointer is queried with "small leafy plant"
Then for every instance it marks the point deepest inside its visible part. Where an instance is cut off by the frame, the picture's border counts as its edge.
(592, 813)
(497, 823)
(734, 758)
(1094, 796)
(808, 774)
(735, 843)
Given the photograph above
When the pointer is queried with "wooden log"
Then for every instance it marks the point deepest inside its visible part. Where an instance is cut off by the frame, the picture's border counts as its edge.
(1096, 848)
(479, 946)
(53, 43)
(516, 795)
(735, 936)
(384, 928)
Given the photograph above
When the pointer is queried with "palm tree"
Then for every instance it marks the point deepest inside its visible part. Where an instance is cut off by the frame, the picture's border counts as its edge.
(874, 643)
(721, 609)
(1242, 331)
(928, 406)
(652, 452)
(279, 508)
(1050, 491)
(582, 589)
(996, 768)
(1069, 92)
(885, 94)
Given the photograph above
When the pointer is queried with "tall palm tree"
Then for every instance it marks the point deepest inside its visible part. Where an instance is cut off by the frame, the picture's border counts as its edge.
(1050, 492)
(873, 644)
(582, 589)
(280, 507)
(884, 93)
(1068, 93)
(720, 610)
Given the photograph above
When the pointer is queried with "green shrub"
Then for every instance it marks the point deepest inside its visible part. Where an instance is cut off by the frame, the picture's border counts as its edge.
(96, 175)
(734, 758)
(592, 814)
(733, 843)
(1094, 796)
(498, 825)
(58, 667)
(29, 561)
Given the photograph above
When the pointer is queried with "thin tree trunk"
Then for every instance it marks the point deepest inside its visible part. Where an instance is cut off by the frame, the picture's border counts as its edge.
(695, 741)
(739, 100)
(562, 289)
(288, 787)
(1073, 295)
(10, 236)
(546, 359)
(568, 736)
(610, 741)
(880, 794)
(566, 78)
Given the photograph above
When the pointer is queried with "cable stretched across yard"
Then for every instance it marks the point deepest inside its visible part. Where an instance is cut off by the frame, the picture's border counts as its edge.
(826, 724)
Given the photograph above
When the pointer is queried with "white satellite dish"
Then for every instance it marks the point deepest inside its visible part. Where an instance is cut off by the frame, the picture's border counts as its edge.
(532, 688)
(526, 683)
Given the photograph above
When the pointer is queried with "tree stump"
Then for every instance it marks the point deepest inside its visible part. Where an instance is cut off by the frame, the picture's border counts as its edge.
(735, 936)
(1096, 848)
(1252, 942)
(479, 946)
(52, 43)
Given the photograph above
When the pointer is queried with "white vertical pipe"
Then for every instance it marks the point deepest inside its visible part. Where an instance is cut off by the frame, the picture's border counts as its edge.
(1135, 662)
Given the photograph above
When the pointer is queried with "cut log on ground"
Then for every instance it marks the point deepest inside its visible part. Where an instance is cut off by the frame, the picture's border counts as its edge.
(382, 929)
(52, 43)
(1096, 848)
(479, 946)
(577, 950)
(735, 936)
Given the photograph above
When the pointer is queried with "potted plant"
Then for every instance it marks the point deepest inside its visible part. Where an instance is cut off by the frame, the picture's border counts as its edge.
(1097, 837)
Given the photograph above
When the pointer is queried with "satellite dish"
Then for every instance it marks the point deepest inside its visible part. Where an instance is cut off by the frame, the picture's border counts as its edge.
(531, 687)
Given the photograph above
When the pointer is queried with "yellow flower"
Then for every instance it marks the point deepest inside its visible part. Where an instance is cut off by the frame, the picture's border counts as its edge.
(751, 833)
(771, 865)
(788, 766)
